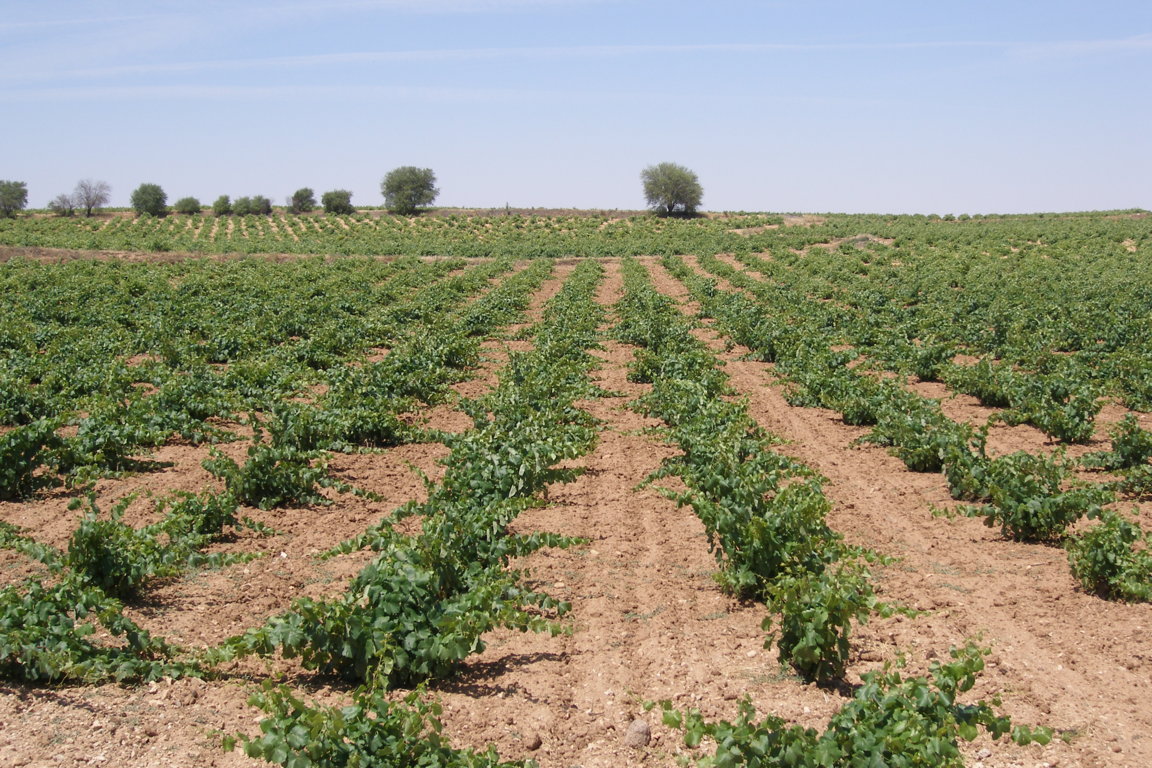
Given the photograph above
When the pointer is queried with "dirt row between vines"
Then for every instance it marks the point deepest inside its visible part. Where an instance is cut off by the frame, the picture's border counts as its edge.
(647, 622)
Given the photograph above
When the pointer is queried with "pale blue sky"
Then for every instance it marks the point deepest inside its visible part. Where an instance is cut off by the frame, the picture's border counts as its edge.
(824, 105)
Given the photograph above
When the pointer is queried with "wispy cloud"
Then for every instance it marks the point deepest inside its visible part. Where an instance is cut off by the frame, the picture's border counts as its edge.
(297, 93)
(477, 54)
(1139, 43)
(71, 21)
(1136, 43)
(432, 6)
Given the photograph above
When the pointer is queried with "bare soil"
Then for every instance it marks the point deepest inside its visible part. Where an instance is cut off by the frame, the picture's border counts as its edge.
(648, 622)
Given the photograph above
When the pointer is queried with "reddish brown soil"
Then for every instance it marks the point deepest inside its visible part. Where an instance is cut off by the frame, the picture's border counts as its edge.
(647, 622)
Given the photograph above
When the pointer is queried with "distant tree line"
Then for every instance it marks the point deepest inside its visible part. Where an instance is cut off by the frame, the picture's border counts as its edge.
(670, 190)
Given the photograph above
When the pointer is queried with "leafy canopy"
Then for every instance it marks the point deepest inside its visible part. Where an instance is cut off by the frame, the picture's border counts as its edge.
(149, 199)
(303, 200)
(189, 206)
(13, 197)
(338, 201)
(408, 188)
(671, 189)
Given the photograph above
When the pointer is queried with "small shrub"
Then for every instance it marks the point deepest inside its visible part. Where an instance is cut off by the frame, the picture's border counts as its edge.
(260, 206)
(189, 206)
(1131, 447)
(374, 730)
(303, 200)
(816, 615)
(891, 721)
(50, 636)
(271, 477)
(23, 451)
(1113, 559)
(106, 553)
(1027, 499)
(337, 201)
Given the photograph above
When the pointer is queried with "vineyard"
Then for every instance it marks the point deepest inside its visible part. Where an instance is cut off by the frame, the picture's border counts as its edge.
(576, 490)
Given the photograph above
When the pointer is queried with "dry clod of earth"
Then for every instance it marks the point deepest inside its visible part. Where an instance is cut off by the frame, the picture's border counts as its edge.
(638, 735)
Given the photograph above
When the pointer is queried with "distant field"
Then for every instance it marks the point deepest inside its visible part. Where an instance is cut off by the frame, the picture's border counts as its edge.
(370, 233)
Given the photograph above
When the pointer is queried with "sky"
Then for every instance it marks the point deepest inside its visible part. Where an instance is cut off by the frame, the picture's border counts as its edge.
(924, 106)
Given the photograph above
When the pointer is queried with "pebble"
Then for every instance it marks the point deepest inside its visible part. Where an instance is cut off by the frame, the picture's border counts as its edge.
(534, 742)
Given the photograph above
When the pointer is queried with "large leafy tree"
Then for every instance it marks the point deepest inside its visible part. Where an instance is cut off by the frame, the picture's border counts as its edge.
(407, 189)
(149, 199)
(13, 197)
(671, 189)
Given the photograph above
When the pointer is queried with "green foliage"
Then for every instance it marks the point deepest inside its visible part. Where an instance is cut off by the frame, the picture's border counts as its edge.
(817, 609)
(76, 629)
(764, 513)
(372, 731)
(149, 199)
(452, 235)
(761, 514)
(988, 382)
(413, 613)
(1063, 408)
(115, 557)
(424, 603)
(272, 476)
(407, 189)
(70, 632)
(919, 433)
(1028, 501)
(931, 360)
(891, 721)
(189, 206)
(13, 198)
(671, 189)
(337, 202)
(205, 514)
(222, 206)
(966, 466)
(1131, 447)
(106, 553)
(261, 206)
(1137, 482)
(1113, 559)
(257, 205)
(23, 450)
(303, 200)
